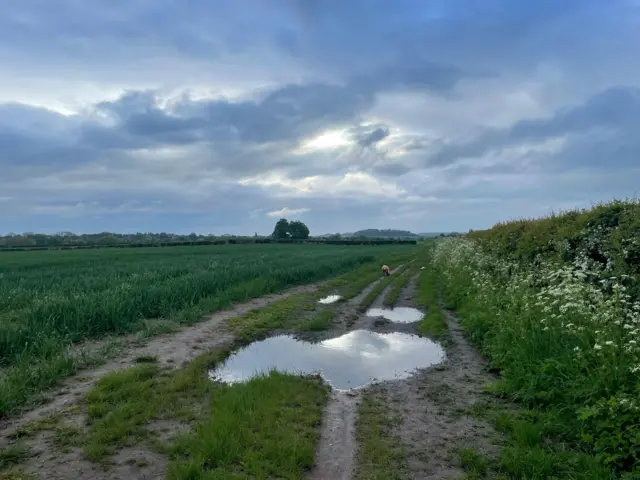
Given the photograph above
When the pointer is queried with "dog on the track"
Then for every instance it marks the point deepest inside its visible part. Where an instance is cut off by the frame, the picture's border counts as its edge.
(385, 271)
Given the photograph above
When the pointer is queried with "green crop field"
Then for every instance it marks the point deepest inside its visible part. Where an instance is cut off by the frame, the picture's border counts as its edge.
(50, 300)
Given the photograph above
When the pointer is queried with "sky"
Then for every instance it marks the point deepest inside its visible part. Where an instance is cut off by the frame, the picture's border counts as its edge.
(222, 117)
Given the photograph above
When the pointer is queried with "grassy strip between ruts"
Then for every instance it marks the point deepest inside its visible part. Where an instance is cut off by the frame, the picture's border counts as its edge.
(262, 428)
(379, 288)
(433, 324)
(398, 284)
(380, 455)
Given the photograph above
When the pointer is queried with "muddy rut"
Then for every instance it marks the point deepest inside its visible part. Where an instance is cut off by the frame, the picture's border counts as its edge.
(431, 405)
(431, 408)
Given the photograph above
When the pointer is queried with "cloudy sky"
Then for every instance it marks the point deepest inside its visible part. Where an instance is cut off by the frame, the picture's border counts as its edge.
(428, 115)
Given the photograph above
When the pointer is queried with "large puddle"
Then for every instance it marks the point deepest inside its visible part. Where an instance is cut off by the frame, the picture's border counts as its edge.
(352, 360)
(330, 299)
(397, 315)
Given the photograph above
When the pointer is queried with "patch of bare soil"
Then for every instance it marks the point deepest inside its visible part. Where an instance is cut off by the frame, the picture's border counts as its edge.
(335, 456)
(131, 463)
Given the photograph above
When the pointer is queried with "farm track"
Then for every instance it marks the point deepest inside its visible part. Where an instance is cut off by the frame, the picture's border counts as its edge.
(172, 351)
(431, 408)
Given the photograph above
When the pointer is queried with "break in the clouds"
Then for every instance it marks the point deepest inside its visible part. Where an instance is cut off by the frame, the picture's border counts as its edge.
(224, 116)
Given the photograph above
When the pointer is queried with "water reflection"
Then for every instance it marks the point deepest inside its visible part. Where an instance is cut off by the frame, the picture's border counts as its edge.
(330, 299)
(397, 315)
(349, 361)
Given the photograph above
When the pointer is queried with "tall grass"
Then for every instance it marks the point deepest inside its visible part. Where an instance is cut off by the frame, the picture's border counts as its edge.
(554, 304)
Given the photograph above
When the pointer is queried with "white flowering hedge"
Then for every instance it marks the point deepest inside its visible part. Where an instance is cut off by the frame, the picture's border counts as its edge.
(564, 335)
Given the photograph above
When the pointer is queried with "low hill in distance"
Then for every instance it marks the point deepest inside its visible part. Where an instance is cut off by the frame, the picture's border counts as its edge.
(375, 233)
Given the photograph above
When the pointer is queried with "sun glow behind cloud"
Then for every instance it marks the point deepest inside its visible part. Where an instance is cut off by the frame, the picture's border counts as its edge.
(329, 140)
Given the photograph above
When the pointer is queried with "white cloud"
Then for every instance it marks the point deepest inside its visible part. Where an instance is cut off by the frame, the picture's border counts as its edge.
(355, 183)
(287, 212)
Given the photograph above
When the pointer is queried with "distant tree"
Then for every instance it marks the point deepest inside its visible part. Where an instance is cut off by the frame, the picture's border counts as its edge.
(298, 230)
(108, 239)
(281, 230)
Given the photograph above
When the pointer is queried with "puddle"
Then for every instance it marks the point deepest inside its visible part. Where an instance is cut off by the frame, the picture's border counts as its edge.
(352, 360)
(397, 315)
(330, 299)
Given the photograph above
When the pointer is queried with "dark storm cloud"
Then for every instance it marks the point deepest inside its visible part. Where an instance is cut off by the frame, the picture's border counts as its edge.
(367, 136)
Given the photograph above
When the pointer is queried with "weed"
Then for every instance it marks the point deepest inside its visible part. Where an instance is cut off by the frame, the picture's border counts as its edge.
(17, 474)
(146, 359)
(13, 455)
(474, 463)
(66, 437)
(320, 321)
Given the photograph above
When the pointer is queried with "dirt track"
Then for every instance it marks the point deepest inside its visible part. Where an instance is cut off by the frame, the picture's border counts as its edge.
(432, 405)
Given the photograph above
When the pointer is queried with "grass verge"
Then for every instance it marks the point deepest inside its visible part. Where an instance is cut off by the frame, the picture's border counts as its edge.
(380, 456)
(526, 454)
(506, 315)
(433, 324)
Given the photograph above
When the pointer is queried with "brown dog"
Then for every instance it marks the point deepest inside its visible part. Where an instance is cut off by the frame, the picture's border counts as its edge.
(385, 271)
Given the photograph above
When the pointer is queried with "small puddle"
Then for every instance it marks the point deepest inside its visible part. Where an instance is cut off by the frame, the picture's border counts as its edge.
(330, 299)
(397, 315)
(352, 360)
